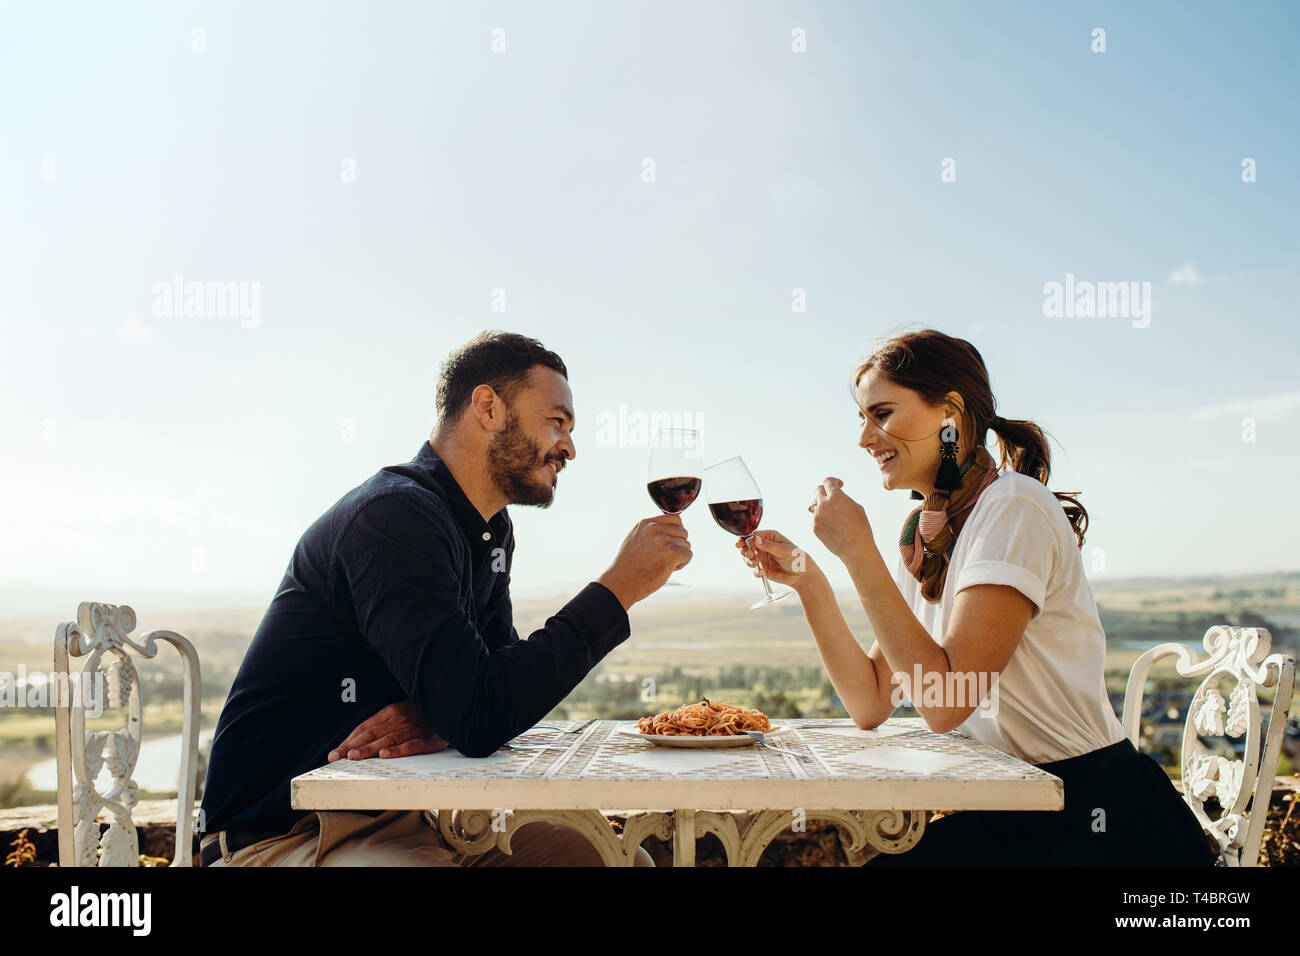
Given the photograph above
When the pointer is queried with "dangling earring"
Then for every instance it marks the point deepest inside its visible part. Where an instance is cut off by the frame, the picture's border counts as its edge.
(948, 477)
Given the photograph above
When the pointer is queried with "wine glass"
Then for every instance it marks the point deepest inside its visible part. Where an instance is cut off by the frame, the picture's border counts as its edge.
(675, 473)
(737, 506)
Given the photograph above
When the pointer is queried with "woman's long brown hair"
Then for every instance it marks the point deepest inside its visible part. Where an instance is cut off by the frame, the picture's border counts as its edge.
(933, 364)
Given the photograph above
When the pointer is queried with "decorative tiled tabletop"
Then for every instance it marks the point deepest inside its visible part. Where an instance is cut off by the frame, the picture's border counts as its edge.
(881, 779)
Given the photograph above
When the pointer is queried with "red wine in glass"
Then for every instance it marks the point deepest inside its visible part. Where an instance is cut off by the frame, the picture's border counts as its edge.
(674, 495)
(675, 473)
(738, 517)
(737, 506)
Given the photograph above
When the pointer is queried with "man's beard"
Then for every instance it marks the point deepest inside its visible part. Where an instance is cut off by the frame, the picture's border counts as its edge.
(513, 461)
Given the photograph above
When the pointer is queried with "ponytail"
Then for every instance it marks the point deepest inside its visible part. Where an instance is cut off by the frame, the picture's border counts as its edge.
(1023, 445)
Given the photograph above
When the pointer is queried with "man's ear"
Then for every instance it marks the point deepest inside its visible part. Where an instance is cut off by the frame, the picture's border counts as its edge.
(488, 408)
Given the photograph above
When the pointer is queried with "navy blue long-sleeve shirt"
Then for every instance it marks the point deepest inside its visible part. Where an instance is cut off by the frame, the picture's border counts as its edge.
(399, 591)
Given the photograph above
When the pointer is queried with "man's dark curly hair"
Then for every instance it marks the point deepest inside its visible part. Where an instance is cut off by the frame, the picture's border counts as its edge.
(498, 359)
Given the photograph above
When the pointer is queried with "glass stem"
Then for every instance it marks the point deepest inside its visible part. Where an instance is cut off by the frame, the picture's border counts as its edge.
(766, 586)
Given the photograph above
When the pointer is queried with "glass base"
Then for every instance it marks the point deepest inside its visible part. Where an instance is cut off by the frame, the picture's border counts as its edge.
(776, 596)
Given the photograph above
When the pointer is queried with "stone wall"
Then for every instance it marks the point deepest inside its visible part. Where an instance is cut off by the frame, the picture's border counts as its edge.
(821, 845)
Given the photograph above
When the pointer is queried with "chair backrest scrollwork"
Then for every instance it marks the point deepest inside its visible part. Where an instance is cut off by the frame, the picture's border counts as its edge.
(100, 635)
(1240, 655)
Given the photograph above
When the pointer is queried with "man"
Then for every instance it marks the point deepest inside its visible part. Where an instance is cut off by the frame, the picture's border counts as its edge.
(396, 606)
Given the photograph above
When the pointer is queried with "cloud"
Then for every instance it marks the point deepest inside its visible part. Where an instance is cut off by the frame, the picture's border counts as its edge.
(133, 330)
(1186, 275)
(1268, 408)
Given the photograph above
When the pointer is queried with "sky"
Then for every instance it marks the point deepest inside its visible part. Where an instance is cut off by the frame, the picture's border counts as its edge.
(709, 209)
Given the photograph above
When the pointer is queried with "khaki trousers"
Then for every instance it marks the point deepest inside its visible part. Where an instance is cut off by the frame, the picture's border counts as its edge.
(406, 838)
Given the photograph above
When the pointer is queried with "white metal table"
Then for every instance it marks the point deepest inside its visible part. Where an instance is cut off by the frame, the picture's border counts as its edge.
(877, 784)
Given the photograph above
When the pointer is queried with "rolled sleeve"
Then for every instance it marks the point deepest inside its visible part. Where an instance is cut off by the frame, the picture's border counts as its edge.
(1013, 543)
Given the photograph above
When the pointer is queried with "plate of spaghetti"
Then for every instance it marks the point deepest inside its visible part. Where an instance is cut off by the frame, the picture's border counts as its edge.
(707, 724)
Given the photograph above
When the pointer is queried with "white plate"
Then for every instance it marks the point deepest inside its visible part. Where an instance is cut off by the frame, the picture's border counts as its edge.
(696, 743)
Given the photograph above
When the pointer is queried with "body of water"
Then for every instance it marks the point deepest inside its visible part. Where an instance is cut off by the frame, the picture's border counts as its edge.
(159, 764)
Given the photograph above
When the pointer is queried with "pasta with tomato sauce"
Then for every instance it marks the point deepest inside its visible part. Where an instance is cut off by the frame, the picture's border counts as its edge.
(707, 718)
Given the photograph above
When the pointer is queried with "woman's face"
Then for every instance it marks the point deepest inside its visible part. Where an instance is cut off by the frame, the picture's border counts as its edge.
(895, 420)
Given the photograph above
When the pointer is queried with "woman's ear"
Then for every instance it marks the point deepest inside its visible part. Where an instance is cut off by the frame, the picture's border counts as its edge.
(956, 410)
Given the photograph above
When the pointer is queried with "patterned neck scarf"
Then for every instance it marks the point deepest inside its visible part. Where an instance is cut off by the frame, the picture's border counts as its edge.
(930, 531)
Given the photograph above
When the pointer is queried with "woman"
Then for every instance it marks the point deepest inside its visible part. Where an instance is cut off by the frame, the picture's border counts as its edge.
(990, 589)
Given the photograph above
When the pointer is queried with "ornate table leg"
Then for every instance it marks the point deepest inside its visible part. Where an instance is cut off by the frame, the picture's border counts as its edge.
(683, 838)
(473, 832)
(888, 831)
(724, 827)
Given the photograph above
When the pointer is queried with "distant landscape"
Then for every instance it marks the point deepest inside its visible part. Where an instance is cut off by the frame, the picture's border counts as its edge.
(685, 644)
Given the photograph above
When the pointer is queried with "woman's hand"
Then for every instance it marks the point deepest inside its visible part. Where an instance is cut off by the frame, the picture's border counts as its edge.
(840, 523)
(779, 558)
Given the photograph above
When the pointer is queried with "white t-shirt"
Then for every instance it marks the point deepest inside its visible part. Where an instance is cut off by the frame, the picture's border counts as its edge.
(1051, 701)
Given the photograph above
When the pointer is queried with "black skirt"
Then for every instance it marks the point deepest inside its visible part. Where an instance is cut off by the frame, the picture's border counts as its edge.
(1121, 809)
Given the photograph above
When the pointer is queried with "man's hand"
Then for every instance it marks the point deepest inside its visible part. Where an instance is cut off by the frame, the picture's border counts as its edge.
(399, 730)
(654, 549)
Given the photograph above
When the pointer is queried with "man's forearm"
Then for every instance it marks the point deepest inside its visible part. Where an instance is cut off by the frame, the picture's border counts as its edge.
(514, 687)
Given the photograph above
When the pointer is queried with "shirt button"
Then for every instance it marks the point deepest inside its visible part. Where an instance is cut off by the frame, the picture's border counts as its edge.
(487, 535)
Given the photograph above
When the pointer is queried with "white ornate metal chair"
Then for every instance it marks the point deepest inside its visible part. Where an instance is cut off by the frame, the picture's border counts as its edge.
(1239, 654)
(101, 631)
